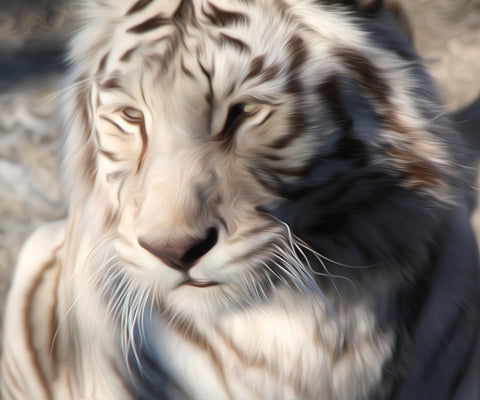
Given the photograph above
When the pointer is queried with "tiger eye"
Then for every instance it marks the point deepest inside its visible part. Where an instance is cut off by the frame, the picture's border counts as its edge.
(249, 108)
(132, 113)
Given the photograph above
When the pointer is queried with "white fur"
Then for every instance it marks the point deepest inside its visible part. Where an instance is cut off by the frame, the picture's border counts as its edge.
(298, 342)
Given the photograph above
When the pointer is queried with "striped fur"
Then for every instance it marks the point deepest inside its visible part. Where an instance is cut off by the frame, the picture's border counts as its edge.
(266, 202)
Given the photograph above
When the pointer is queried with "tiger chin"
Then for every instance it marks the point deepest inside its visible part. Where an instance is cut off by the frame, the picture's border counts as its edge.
(266, 201)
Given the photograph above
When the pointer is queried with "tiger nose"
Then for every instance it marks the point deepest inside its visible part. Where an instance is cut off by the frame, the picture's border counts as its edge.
(184, 254)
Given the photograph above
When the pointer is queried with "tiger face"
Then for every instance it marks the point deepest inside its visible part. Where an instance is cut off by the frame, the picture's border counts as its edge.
(185, 146)
(207, 119)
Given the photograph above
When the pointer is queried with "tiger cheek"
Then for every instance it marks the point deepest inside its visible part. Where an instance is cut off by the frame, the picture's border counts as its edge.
(121, 144)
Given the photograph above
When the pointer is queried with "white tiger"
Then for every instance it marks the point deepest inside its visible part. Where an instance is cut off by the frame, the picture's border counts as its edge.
(266, 202)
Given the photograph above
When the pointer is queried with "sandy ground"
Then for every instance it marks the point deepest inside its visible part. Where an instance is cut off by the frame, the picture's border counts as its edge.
(446, 33)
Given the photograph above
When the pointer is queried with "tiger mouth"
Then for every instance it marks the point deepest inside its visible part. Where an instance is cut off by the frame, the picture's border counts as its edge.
(200, 283)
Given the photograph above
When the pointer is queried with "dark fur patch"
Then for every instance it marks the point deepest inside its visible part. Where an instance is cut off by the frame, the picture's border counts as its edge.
(110, 83)
(139, 5)
(229, 41)
(298, 53)
(102, 63)
(127, 55)
(256, 67)
(224, 18)
(150, 24)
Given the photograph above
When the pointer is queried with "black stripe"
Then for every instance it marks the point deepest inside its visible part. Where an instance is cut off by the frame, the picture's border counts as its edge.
(269, 182)
(367, 74)
(139, 5)
(114, 124)
(111, 83)
(103, 63)
(150, 24)
(370, 79)
(227, 40)
(255, 68)
(110, 155)
(298, 122)
(298, 53)
(126, 56)
(258, 69)
(185, 70)
(267, 117)
(270, 73)
(224, 18)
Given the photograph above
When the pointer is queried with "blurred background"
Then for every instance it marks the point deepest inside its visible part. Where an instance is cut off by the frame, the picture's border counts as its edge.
(33, 35)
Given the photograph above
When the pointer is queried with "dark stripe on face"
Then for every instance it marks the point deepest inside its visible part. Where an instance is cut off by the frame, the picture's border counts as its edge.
(127, 55)
(224, 18)
(185, 70)
(110, 155)
(255, 68)
(111, 83)
(235, 118)
(185, 13)
(258, 70)
(144, 136)
(227, 41)
(139, 5)
(103, 63)
(104, 117)
(298, 53)
(150, 24)
(297, 127)
(270, 73)
(267, 180)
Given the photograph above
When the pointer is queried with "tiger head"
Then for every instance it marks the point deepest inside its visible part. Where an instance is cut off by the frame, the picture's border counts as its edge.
(215, 148)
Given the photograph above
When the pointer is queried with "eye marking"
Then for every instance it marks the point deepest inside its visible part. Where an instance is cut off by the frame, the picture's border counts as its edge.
(132, 114)
(237, 114)
(235, 117)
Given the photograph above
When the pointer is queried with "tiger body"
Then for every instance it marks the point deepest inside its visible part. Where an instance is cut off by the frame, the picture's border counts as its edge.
(265, 203)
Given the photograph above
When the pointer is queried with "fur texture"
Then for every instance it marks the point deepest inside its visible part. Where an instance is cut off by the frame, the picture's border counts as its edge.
(266, 202)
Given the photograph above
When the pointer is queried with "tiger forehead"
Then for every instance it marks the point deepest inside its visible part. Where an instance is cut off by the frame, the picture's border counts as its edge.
(161, 29)
(217, 37)
(219, 14)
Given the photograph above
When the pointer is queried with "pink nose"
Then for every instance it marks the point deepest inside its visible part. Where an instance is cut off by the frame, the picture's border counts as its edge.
(184, 254)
